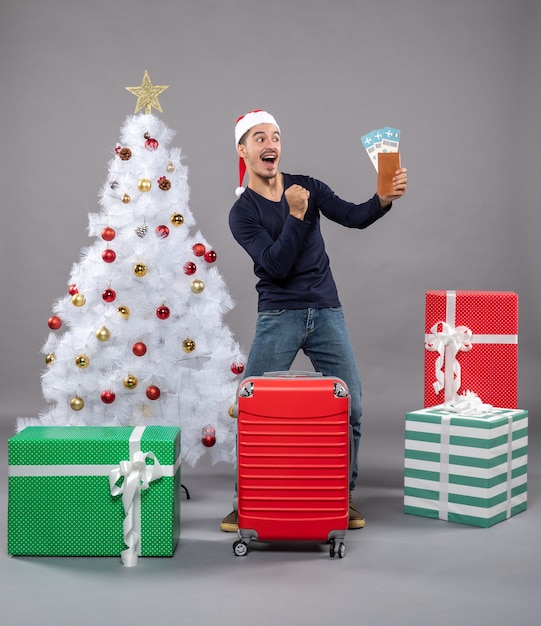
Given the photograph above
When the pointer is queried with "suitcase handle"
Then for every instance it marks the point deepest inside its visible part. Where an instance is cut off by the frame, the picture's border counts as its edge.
(340, 389)
(294, 374)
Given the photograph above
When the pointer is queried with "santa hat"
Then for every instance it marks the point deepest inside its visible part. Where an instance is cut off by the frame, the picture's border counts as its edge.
(243, 125)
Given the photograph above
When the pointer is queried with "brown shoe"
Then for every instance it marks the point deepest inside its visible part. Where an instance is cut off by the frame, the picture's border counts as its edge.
(230, 524)
(356, 519)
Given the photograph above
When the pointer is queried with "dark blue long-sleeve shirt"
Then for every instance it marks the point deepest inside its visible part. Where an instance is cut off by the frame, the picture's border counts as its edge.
(289, 254)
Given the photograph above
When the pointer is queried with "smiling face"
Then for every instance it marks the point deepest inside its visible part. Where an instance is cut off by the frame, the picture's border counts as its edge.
(261, 149)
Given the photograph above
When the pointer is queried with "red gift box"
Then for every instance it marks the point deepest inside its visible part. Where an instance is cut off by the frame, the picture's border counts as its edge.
(471, 344)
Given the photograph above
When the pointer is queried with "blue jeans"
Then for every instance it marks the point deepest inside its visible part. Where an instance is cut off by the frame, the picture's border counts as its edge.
(323, 336)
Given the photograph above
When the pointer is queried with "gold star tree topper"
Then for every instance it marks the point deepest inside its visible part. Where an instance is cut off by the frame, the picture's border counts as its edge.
(147, 95)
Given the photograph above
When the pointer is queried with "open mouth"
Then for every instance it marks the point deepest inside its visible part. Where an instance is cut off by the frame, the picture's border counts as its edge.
(269, 158)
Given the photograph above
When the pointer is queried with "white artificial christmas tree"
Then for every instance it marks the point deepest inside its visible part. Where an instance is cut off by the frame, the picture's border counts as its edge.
(140, 339)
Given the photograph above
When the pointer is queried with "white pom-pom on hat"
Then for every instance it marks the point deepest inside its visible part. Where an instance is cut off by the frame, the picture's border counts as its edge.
(243, 125)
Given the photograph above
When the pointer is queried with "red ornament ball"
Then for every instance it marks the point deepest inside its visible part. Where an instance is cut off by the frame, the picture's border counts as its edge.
(153, 392)
(139, 349)
(151, 143)
(237, 368)
(162, 231)
(108, 397)
(163, 312)
(199, 249)
(54, 322)
(108, 255)
(108, 234)
(73, 290)
(190, 268)
(208, 436)
(108, 295)
(210, 256)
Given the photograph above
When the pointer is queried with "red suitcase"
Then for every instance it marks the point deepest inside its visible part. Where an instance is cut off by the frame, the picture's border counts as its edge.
(293, 449)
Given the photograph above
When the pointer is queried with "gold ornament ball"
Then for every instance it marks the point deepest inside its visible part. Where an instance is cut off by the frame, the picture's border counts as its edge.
(50, 358)
(126, 198)
(140, 269)
(177, 219)
(103, 334)
(188, 345)
(78, 299)
(130, 382)
(76, 403)
(124, 311)
(232, 412)
(197, 286)
(144, 185)
(170, 166)
(82, 361)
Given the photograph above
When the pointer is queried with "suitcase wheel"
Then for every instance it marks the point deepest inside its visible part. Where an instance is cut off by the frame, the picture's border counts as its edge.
(337, 549)
(240, 548)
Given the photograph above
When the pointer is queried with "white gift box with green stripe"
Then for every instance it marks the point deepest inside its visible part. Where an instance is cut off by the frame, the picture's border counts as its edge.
(94, 491)
(466, 469)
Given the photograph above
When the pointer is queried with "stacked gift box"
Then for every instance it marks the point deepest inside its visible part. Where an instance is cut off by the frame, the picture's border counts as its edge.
(94, 491)
(471, 344)
(466, 451)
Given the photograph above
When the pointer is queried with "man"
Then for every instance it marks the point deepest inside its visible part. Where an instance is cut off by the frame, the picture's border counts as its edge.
(277, 221)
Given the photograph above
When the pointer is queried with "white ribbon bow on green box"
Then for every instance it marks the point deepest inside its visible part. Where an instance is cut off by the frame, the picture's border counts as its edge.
(137, 476)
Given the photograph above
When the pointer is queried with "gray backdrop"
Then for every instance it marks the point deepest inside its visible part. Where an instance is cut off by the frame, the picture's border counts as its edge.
(461, 79)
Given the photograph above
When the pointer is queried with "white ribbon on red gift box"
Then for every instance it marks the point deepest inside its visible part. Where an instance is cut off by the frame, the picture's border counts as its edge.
(136, 476)
(448, 341)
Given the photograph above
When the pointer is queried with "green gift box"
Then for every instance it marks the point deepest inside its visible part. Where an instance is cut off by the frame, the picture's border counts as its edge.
(94, 491)
(469, 469)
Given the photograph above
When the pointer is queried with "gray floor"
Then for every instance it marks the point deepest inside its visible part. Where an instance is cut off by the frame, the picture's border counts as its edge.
(399, 569)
